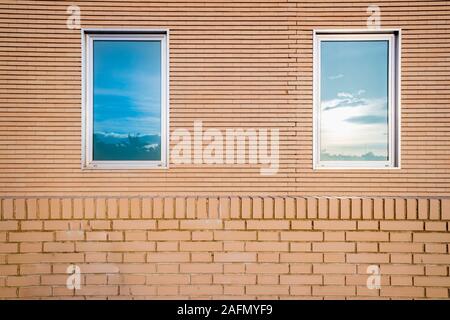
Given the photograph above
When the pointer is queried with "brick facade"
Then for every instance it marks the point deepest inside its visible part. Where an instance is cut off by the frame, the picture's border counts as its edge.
(215, 231)
(225, 247)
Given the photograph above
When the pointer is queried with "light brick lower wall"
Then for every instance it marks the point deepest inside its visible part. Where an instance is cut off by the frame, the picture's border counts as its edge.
(238, 247)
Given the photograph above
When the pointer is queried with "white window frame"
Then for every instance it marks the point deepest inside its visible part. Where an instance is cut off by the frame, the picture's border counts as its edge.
(393, 37)
(88, 36)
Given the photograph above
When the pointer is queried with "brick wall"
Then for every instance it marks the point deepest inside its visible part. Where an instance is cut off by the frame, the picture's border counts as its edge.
(227, 247)
(233, 64)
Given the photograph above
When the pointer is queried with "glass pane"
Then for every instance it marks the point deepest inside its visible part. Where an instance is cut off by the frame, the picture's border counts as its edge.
(127, 100)
(354, 101)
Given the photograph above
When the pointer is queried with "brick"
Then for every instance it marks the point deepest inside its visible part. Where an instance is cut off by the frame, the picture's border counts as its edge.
(201, 224)
(333, 290)
(334, 208)
(8, 292)
(367, 258)
(258, 209)
(9, 225)
(134, 224)
(435, 226)
(167, 279)
(301, 236)
(8, 270)
(202, 235)
(267, 289)
(436, 293)
(269, 268)
(378, 209)
(8, 247)
(300, 279)
(56, 225)
(434, 209)
(32, 208)
(432, 237)
(333, 268)
(194, 268)
(124, 208)
(100, 208)
(367, 225)
(20, 209)
(268, 236)
(234, 257)
(401, 292)
(267, 224)
(290, 208)
(367, 236)
(402, 269)
(44, 208)
(266, 246)
(113, 209)
(301, 208)
(39, 269)
(38, 292)
(268, 208)
(202, 209)
(66, 208)
(402, 225)
(201, 290)
(400, 209)
(135, 208)
(89, 208)
(224, 208)
(333, 247)
(445, 207)
(115, 247)
(401, 247)
(59, 247)
(213, 208)
(147, 208)
(30, 247)
(279, 208)
(356, 208)
(301, 257)
(334, 257)
(234, 279)
(166, 224)
(30, 236)
(168, 257)
(23, 281)
(78, 209)
(411, 209)
(268, 257)
(334, 225)
(301, 225)
(389, 209)
(311, 204)
(401, 236)
(234, 235)
(235, 207)
(298, 290)
(345, 208)
(200, 246)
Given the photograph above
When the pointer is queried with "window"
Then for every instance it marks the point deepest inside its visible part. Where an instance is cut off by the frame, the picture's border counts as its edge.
(356, 100)
(125, 113)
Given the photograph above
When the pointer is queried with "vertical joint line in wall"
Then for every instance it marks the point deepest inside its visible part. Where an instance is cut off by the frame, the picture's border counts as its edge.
(60, 207)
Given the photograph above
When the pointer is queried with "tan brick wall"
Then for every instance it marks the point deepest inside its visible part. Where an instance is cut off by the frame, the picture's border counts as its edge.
(238, 247)
(232, 64)
(167, 233)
